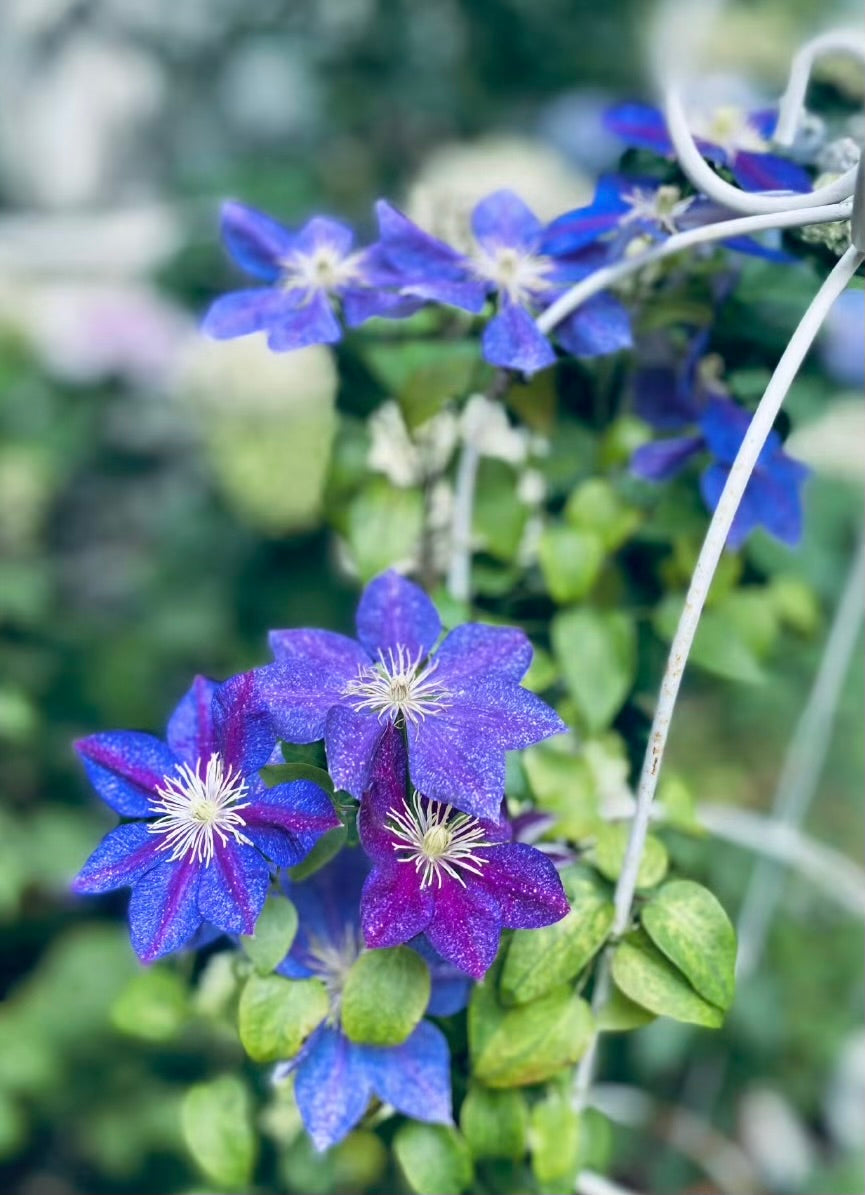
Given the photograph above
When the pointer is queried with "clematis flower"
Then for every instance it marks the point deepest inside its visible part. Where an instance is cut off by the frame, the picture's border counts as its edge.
(307, 274)
(461, 705)
(729, 137)
(507, 265)
(456, 878)
(624, 208)
(335, 1078)
(208, 828)
(772, 498)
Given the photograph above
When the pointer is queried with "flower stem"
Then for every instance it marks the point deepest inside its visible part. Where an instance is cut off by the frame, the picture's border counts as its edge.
(607, 276)
(803, 764)
(459, 572)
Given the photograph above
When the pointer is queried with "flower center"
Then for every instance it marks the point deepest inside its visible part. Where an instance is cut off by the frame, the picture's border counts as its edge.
(331, 960)
(198, 807)
(663, 206)
(513, 272)
(397, 686)
(321, 270)
(731, 129)
(436, 840)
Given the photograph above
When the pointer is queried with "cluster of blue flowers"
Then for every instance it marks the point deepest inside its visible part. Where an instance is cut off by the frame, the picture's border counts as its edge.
(418, 734)
(516, 268)
(415, 725)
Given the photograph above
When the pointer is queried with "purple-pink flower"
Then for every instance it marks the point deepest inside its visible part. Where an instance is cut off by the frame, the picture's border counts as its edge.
(208, 828)
(461, 704)
(436, 871)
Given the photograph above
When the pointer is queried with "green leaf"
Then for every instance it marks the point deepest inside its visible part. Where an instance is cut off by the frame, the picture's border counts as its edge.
(276, 1015)
(153, 1005)
(428, 387)
(795, 603)
(434, 1158)
(216, 1119)
(555, 1140)
(542, 672)
(495, 1123)
(384, 526)
(385, 995)
(620, 1014)
(649, 979)
(718, 645)
(608, 854)
(677, 804)
(274, 934)
(688, 924)
(285, 773)
(247, 450)
(540, 959)
(570, 562)
(595, 506)
(499, 518)
(563, 784)
(597, 653)
(327, 848)
(512, 1047)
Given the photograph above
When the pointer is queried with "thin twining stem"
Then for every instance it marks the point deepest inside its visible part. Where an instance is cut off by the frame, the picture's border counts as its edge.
(608, 276)
(836, 41)
(706, 180)
(459, 570)
(803, 765)
(710, 553)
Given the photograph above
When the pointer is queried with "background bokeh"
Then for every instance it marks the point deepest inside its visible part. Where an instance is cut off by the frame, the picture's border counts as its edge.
(159, 508)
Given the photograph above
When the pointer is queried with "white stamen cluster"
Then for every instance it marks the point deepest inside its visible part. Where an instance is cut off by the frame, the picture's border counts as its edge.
(663, 206)
(199, 807)
(730, 128)
(436, 840)
(321, 270)
(515, 273)
(331, 961)
(397, 687)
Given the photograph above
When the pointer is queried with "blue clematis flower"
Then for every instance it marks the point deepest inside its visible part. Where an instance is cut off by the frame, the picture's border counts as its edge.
(306, 274)
(458, 879)
(772, 498)
(729, 137)
(335, 1078)
(208, 828)
(624, 208)
(461, 705)
(505, 264)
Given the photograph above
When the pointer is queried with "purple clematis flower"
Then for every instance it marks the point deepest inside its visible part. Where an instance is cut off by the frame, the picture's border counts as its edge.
(729, 137)
(624, 208)
(772, 498)
(208, 825)
(462, 705)
(335, 1078)
(505, 264)
(455, 878)
(305, 273)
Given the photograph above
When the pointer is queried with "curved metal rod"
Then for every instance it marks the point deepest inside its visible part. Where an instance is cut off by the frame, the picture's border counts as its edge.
(706, 180)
